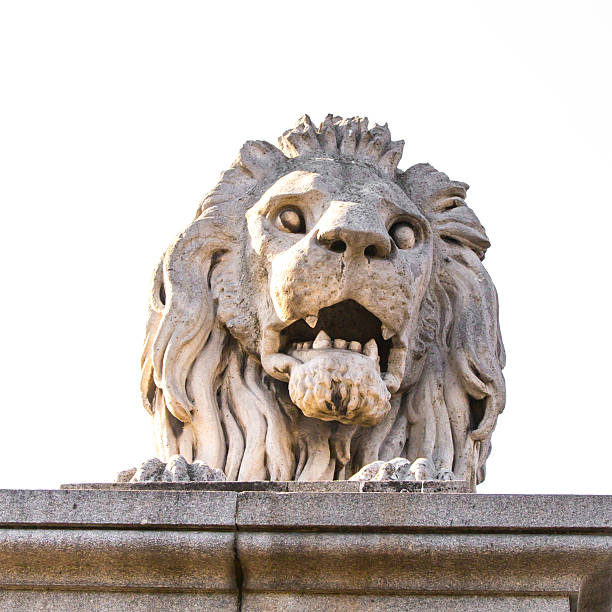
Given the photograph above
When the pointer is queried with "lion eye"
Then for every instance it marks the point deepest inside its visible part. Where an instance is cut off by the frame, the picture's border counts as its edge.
(291, 220)
(451, 203)
(403, 235)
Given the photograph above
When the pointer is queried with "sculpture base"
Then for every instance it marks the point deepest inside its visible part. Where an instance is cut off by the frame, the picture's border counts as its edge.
(178, 548)
(322, 486)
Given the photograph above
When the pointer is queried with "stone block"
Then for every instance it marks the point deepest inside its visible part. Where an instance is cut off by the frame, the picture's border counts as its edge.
(91, 508)
(117, 559)
(318, 486)
(391, 511)
(400, 603)
(180, 548)
(18, 600)
(416, 486)
(330, 486)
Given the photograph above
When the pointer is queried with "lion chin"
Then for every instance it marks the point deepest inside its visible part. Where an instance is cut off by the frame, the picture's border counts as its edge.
(339, 384)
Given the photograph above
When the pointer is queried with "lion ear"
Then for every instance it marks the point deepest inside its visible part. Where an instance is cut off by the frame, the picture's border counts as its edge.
(256, 160)
(260, 158)
(443, 203)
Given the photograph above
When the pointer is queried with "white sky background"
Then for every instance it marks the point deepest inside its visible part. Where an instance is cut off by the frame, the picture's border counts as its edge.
(116, 118)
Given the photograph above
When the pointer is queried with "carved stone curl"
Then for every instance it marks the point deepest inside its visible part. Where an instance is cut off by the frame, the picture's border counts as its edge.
(324, 311)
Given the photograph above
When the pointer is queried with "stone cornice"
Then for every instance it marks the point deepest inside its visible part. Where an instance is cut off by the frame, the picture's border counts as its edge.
(261, 549)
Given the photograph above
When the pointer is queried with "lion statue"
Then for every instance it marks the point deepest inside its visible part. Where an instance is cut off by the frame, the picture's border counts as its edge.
(323, 312)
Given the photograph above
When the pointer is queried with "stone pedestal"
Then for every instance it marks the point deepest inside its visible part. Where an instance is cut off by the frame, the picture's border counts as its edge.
(176, 547)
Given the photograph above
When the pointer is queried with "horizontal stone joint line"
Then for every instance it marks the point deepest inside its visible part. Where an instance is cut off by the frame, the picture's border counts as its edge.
(466, 529)
(426, 592)
(98, 588)
(297, 528)
(120, 527)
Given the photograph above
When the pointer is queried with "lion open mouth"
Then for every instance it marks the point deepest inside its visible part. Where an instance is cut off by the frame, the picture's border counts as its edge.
(341, 364)
(346, 325)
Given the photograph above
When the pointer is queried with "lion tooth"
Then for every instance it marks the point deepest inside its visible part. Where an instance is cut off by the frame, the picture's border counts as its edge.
(355, 346)
(371, 349)
(340, 344)
(322, 341)
(387, 332)
(307, 345)
(312, 320)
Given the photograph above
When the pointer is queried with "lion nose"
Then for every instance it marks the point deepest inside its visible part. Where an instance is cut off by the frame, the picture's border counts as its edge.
(356, 229)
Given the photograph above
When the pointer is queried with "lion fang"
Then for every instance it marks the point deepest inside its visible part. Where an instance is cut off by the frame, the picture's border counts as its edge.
(370, 349)
(322, 341)
(312, 320)
(387, 332)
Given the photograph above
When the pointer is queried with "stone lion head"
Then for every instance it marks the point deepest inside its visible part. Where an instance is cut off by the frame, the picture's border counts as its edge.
(325, 310)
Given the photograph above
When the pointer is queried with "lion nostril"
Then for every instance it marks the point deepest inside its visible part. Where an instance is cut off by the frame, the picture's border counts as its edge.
(370, 251)
(337, 246)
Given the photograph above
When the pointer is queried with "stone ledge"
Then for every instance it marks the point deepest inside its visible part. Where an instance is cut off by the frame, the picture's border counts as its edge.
(120, 559)
(401, 603)
(327, 486)
(227, 510)
(458, 512)
(419, 562)
(21, 600)
(145, 549)
(142, 509)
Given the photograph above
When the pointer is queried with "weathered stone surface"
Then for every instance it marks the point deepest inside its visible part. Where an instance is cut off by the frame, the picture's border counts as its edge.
(126, 475)
(270, 486)
(401, 603)
(212, 485)
(18, 600)
(200, 472)
(154, 549)
(325, 310)
(397, 469)
(419, 562)
(176, 470)
(121, 559)
(330, 486)
(149, 508)
(150, 471)
(416, 486)
(28, 601)
(392, 511)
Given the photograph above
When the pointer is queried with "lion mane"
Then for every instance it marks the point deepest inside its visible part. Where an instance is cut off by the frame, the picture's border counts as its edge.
(202, 375)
